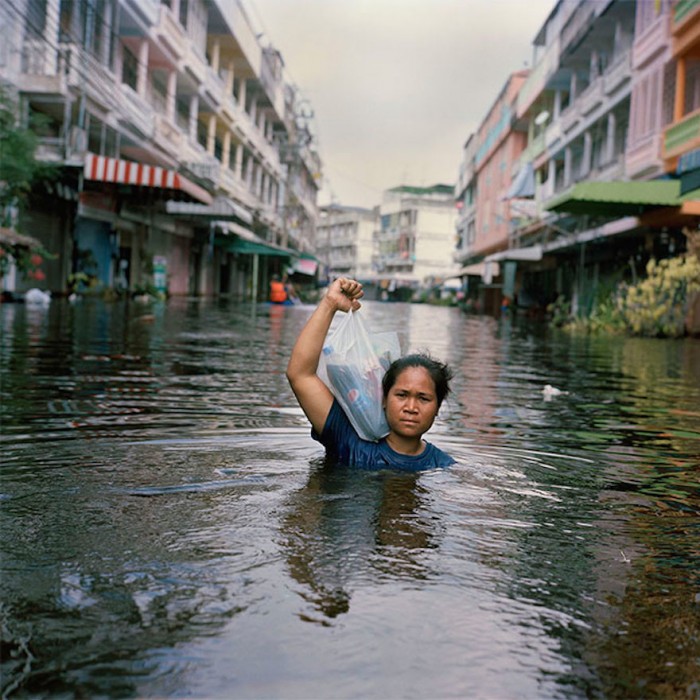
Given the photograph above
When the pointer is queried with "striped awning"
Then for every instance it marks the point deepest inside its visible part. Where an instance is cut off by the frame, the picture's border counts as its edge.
(124, 172)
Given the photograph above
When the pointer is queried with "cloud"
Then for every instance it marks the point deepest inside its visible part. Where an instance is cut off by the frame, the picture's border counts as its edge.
(397, 86)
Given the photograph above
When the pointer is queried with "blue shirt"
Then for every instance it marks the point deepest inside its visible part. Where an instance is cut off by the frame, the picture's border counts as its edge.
(344, 444)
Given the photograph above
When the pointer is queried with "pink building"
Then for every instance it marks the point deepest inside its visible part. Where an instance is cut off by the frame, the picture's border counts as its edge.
(498, 146)
(653, 80)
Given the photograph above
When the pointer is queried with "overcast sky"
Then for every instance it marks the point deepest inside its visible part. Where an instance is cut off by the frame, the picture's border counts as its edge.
(396, 86)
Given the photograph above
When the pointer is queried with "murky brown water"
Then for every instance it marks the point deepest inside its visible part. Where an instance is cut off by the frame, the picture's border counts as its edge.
(169, 529)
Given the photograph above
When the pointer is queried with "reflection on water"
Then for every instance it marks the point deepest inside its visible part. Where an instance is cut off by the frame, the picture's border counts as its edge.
(169, 527)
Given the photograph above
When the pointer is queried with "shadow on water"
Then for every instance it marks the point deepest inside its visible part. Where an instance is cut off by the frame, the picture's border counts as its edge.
(169, 527)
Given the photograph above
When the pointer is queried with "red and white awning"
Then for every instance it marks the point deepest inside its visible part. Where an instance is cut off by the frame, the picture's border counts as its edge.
(103, 169)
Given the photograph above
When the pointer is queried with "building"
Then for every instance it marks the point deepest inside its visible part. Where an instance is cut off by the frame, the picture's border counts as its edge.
(181, 148)
(344, 241)
(484, 183)
(653, 84)
(415, 238)
(681, 131)
(591, 197)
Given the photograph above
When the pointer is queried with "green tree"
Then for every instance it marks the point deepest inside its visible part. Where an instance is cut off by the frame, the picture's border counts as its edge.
(19, 172)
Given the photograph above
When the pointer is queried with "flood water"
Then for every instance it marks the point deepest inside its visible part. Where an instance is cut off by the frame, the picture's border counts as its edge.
(169, 528)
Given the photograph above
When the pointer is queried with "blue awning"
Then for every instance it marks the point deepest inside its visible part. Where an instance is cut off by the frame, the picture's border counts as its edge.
(524, 183)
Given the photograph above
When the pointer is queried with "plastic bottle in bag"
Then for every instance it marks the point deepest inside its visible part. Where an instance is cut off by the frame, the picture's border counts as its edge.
(349, 386)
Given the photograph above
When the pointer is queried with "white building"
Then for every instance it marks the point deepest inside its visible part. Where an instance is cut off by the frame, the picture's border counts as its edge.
(415, 238)
(344, 240)
(176, 137)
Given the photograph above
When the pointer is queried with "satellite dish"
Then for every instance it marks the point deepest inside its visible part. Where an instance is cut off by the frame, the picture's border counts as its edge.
(541, 118)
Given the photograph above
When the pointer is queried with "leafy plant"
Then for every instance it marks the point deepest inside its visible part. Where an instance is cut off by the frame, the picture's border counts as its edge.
(19, 172)
(654, 306)
(657, 305)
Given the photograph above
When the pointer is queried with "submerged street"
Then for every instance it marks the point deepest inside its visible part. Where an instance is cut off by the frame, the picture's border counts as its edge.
(169, 526)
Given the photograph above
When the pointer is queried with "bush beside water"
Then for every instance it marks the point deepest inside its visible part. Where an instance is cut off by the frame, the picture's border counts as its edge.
(657, 306)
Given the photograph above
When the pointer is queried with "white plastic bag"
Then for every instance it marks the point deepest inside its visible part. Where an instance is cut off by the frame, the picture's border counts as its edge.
(352, 365)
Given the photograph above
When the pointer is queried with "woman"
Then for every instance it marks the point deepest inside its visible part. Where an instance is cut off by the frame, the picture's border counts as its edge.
(414, 388)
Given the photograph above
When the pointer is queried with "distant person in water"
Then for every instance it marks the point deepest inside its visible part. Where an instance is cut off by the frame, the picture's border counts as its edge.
(414, 388)
(278, 293)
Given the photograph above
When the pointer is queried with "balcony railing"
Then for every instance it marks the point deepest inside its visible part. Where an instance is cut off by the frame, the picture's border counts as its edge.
(136, 111)
(170, 31)
(570, 118)
(682, 135)
(533, 149)
(591, 98)
(168, 135)
(683, 10)
(618, 73)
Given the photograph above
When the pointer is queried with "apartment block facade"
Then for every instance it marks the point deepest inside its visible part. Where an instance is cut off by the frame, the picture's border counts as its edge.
(595, 192)
(177, 140)
(415, 238)
(344, 241)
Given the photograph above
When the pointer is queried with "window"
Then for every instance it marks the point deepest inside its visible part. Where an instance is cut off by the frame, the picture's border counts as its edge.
(129, 68)
(184, 6)
(36, 19)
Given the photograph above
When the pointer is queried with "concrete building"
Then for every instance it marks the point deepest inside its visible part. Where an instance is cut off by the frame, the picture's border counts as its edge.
(180, 146)
(344, 241)
(588, 206)
(414, 241)
(653, 80)
(681, 131)
(484, 182)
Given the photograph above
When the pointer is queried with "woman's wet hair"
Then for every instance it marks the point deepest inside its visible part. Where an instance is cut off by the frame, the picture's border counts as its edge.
(439, 372)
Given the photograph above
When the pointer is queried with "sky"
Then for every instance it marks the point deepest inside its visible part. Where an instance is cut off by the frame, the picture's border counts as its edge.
(396, 86)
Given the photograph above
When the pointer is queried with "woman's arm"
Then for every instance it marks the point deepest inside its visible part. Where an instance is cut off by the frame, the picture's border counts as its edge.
(313, 395)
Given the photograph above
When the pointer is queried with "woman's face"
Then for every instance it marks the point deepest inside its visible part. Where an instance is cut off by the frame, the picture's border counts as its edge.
(411, 404)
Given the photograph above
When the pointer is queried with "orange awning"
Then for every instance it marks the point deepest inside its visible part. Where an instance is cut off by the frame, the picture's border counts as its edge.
(104, 169)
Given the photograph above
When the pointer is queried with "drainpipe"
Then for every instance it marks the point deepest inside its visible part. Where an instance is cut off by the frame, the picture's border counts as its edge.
(254, 281)
(581, 281)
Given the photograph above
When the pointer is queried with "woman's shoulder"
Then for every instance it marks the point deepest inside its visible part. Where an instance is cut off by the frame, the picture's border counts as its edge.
(430, 457)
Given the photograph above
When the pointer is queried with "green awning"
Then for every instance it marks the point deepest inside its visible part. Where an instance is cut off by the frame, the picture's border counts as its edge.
(243, 246)
(234, 238)
(617, 198)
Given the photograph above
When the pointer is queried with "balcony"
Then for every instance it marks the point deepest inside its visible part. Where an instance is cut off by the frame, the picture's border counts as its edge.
(170, 32)
(683, 12)
(533, 149)
(213, 87)
(552, 135)
(685, 27)
(654, 41)
(591, 98)
(618, 74)
(135, 112)
(642, 158)
(81, 70)
(682, 136)
(168, 136)
(570, 118)
(578, 24)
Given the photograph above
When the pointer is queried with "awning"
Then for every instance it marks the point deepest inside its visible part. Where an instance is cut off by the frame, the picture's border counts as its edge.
(221, 208)
(529, 254)
(306, 264)
(124, 172)
(524, 183)
(11, 237)
(477, 270)
(617, 198)
(245, 242)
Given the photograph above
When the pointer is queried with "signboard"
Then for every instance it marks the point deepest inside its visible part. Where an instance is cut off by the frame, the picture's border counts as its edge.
(160, 273)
